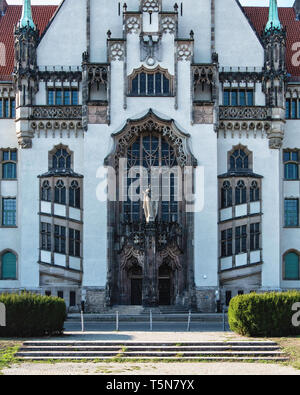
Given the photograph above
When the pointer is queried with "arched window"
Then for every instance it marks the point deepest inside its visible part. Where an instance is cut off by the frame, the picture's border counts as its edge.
(9, 164)
(239, 160)
(144, 82)
(240, 193)
(291, 266)
(61, 159)
(226, 193)
(60, 192)
(46, 191)
(8, 266)
(254, 192)
(74, 195)
(151, 150)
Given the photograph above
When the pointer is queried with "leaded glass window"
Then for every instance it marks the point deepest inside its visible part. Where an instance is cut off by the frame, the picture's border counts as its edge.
(150, 150)
(60, 192)
(240, 193)
(74, 195)
(239, 160)
(61, 160)
(291, 212)
(226, 192)
(9, 209)
(291, 165)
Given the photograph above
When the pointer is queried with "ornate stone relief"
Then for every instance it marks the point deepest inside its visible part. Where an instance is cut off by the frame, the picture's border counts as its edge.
(203, 114)
(152, 123)
(150, 5)
(98, 114)
(116, 51)
(150, 49)
(255, 113)
(168, 24)
(48, 112)
(185, 51)
(133, 24)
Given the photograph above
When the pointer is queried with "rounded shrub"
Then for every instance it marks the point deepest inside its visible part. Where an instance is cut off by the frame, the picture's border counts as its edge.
(30, 315)
(264, 315)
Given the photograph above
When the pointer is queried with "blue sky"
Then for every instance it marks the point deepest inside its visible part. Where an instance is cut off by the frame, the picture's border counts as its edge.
(282, 3)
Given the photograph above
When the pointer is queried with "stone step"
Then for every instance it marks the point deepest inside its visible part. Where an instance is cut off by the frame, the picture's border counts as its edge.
(92, 343)
(140, 349)
(172, 359)
(70, 350)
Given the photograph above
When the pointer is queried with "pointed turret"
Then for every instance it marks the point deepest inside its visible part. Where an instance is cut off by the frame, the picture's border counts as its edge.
(26, 19)
(273, 22)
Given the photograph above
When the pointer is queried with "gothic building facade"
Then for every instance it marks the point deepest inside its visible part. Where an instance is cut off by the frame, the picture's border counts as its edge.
(205, 92)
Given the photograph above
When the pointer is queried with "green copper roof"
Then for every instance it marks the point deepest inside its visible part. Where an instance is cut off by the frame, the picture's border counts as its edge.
(26, 19)
(273, 21)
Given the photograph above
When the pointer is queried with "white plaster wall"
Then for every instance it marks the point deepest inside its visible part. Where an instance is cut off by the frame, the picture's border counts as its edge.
(65, 40)
(236, 42)
(10, 237)
(290, 236)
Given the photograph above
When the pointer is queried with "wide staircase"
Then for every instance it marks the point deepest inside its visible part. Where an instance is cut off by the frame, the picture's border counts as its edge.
(176, 352)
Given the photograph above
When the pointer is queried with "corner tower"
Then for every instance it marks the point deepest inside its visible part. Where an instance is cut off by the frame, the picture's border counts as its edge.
(275, 73)
(25, 72)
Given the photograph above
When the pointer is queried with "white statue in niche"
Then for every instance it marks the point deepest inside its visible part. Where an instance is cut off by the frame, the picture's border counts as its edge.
(150, 207)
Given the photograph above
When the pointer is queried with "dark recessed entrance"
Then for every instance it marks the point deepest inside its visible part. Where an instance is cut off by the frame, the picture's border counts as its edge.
(136, 282)
(165, 285)
(164, 288)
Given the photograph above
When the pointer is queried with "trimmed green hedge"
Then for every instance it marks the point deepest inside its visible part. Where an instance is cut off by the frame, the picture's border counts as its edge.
(263, 315)
(30, 315)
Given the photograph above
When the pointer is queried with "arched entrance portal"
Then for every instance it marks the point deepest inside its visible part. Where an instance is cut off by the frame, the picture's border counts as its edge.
(161, 245)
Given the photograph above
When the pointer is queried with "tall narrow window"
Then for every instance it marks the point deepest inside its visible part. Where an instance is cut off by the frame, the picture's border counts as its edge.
(254, 192)
(74, 243)
(9, 212)
(291, 165)
(241, 239)
(60, 192)
(8, 266)
(226, 243)
(46, 191)
(291, 267)
(74, 195)
(9, 164)
(291, 212)
(226, 193)
(60, 239)
(46, 236)
(255, 237)
(240, 193)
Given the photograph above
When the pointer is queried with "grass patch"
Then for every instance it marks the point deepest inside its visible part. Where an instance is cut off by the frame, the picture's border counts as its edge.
(291, 346)
(8, 350)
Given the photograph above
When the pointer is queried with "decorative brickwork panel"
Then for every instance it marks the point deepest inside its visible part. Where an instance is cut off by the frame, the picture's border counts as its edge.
(203, 114)
(98, 115)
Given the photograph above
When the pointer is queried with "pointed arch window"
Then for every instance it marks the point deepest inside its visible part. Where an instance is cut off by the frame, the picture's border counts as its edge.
(239, 160)
(60, 192)
(61, 159)
(46, 191)
(74, 194)
(226, 192)
(240, 193)
(150, 150)
(254, 192)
